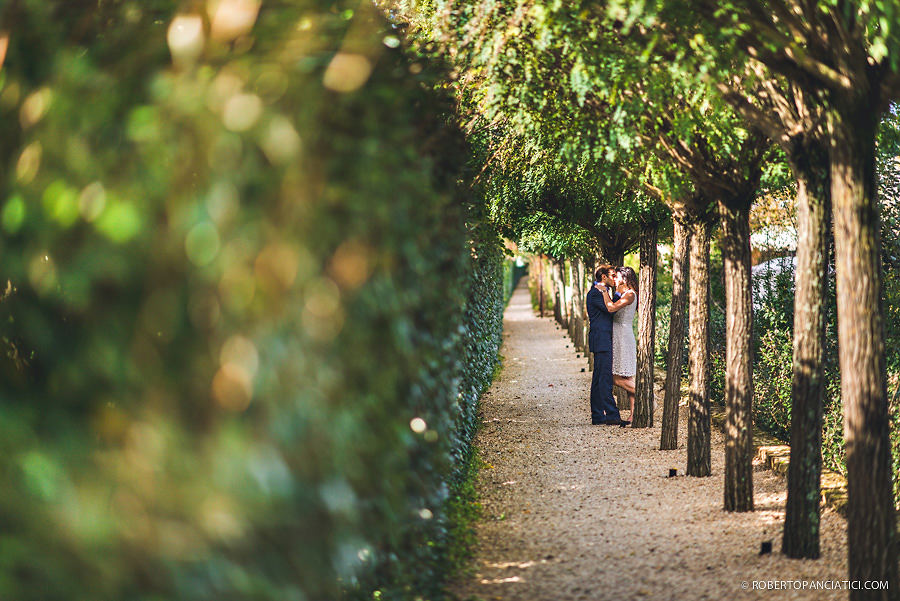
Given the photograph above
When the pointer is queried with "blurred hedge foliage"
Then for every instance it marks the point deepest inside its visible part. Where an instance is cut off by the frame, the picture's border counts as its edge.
(250, 308)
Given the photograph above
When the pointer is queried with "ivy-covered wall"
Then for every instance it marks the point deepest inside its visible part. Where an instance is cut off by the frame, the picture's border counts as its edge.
(250, 309)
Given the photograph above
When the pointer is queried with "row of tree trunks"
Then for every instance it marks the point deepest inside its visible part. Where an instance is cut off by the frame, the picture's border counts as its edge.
(698, 450)
(870, 514)
(794, 118)
(669, 435)
(735, 220)
(853, 113)
(644, 400)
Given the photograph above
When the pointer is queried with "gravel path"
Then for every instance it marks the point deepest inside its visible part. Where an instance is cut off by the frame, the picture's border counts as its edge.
(575, 511)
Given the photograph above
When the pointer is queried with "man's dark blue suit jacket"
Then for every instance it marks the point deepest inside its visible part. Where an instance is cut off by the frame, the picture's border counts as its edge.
(600, 334)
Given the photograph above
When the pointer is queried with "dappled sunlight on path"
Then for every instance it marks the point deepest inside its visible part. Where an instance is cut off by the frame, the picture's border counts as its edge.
(574, 511)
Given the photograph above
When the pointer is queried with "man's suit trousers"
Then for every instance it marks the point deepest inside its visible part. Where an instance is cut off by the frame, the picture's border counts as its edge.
(603, 404)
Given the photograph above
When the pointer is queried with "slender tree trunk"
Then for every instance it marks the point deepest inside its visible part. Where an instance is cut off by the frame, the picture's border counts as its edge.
(563, 295)
(565, 291)
(735, 221)
(579, 303)
(698, 451)
(541, 284)
(801, 522)
(569, 268)
(579, 294)
(870, 510)
(644, 399)
(669, 436)
(559, 293)
(569, 274)
(590, 270)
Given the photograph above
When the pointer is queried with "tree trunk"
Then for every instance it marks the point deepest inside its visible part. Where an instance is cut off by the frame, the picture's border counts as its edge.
(735, 220)
(698, 452)
(801, 522)
(669, 436)
(540, 260)
(590, 266)
(580, 310)
(611, 255)
(559, 293)
(870, 509)
(644, 398)
(566, 292)
(577, 294)
(569, 268)
(563, 295)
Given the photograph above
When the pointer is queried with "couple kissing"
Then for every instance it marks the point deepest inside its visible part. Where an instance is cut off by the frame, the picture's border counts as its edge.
(611, 303)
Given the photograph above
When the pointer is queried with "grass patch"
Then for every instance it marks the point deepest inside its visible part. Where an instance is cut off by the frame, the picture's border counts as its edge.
(463, 512)
(498, 369)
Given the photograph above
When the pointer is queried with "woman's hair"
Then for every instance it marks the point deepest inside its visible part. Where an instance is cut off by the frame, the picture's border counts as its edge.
(630, 277)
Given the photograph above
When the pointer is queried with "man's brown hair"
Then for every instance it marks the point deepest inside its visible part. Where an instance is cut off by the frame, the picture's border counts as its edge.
(602, 271)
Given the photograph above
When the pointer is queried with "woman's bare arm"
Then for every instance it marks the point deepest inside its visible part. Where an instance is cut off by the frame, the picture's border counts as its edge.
(626, 299)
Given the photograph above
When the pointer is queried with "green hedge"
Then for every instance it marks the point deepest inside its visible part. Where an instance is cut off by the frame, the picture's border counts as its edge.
(250, 311)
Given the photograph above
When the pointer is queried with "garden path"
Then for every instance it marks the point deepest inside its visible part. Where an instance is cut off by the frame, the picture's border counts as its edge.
(574, 511)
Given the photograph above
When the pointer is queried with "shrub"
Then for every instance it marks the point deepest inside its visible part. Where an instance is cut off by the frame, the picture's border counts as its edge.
(250, 311)
(772, 383)
(772, 369)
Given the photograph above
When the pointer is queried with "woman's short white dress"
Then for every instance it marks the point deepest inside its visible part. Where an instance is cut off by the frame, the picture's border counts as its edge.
(624, 348)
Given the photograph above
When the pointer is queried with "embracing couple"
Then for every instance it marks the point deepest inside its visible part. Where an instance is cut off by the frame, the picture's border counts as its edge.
(611, 303)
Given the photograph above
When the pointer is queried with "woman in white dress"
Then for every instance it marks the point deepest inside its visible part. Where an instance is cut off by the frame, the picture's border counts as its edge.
(624, 348)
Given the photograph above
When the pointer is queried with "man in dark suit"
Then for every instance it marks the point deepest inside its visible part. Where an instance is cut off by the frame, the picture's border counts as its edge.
(603, 404)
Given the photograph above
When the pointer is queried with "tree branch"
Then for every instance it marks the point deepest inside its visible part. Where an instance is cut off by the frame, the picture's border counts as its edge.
(753, 114)
(789, 58)
(656, 192)
(799, 29)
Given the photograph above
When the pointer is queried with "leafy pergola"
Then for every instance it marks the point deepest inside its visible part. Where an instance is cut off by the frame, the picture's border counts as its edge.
(684, 102)
(624, 107)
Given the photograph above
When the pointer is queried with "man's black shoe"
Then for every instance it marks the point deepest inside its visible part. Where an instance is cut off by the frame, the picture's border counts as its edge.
(612, 422)
(624, 422)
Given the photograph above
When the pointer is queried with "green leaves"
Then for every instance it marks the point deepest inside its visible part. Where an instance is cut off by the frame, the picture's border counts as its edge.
(249, 304)
(547, 117)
